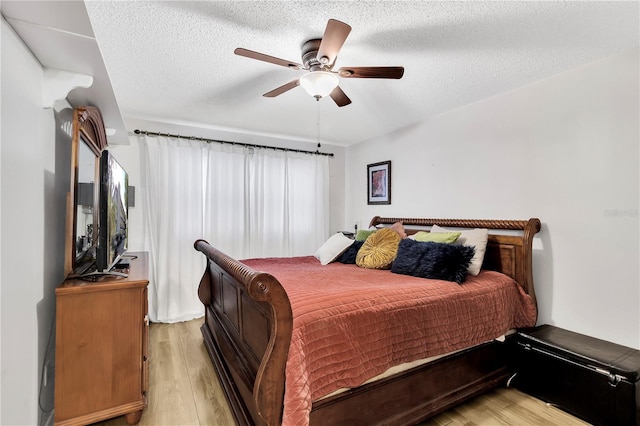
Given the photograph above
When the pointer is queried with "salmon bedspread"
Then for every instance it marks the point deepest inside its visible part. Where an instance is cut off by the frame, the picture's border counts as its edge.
(351, 323)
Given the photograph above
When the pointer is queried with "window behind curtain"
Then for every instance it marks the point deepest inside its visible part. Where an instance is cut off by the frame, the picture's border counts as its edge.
(245, 202)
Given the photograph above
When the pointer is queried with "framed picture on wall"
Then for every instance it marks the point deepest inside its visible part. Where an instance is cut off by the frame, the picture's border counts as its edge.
(379, 183)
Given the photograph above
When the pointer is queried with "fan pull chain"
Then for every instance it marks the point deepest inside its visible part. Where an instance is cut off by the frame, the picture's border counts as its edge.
(318, 125)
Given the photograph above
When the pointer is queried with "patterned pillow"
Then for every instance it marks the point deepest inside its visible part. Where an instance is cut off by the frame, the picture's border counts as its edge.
(379, 250)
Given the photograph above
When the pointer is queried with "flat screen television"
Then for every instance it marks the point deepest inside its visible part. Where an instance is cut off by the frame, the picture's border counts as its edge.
(113, 215)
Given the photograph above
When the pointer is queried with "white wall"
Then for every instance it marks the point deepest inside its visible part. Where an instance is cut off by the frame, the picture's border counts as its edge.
(34, 171)
(129, 157)
(566, 150)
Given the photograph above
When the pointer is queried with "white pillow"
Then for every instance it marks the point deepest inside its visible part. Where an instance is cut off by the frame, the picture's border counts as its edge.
(332, 248)
(473, 237)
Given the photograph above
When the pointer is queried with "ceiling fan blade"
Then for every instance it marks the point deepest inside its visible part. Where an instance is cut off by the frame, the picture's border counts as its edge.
(266, 58)
(334, 36)
(280, 90)
(371, 72)
(339, 97)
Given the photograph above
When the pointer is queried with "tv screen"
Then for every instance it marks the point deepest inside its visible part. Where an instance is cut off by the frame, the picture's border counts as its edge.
(112, 233)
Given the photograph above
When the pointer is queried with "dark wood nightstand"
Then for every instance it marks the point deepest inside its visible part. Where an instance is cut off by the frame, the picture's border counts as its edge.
(595, 380)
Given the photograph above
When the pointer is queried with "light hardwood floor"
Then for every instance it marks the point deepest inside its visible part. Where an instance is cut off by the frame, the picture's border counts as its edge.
(184, 391)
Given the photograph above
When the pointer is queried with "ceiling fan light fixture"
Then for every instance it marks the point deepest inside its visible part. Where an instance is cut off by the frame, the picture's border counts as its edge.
(319, 83)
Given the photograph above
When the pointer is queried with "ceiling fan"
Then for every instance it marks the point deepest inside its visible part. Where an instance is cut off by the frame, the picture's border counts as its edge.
(318, 57)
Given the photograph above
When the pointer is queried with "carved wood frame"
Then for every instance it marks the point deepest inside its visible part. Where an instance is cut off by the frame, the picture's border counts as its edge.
(87, 128)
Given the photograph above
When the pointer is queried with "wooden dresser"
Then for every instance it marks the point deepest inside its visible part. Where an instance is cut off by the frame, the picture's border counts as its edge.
(102, 331)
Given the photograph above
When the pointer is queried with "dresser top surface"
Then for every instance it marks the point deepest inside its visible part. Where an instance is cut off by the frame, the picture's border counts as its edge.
(137, 276)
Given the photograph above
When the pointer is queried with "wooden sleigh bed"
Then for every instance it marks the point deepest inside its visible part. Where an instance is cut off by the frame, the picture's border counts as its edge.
(248, 331)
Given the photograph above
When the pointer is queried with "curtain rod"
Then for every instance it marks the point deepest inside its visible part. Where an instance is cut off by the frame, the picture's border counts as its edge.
(249, 145)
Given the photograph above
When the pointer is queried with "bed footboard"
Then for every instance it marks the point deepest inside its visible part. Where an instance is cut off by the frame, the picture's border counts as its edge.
(247, 332)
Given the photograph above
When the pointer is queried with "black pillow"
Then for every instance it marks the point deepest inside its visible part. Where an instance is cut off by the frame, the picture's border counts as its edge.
(349, 255)
(439, 261)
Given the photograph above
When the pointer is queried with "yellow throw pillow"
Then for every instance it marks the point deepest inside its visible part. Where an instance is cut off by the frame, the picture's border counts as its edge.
(379, 250)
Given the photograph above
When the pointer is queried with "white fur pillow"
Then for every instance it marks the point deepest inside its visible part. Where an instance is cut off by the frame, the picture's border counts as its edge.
(332, 248)
(477, 238)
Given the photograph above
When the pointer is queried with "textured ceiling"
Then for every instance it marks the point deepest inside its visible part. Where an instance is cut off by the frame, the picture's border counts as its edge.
(174, 61)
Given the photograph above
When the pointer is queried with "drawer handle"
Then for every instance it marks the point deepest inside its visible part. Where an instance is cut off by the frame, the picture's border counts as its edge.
(614, 379)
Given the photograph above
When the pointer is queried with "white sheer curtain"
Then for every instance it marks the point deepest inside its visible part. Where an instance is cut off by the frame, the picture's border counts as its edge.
(173, 173)
(247, 202)
(288, 202)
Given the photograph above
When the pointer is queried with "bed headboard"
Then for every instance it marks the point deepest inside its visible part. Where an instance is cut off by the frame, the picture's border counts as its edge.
(509, 254)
